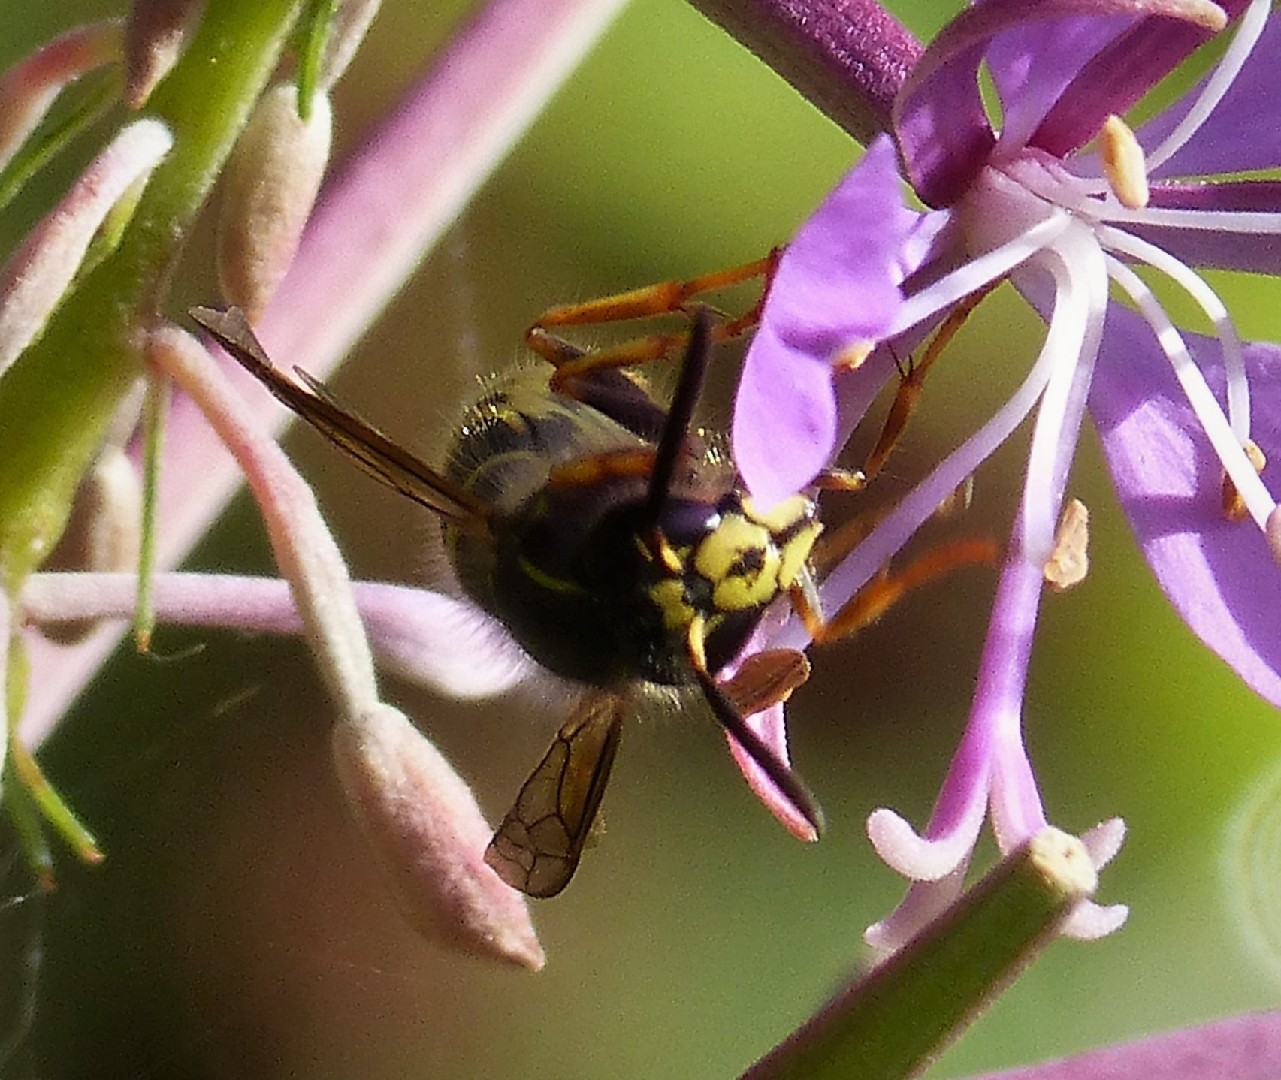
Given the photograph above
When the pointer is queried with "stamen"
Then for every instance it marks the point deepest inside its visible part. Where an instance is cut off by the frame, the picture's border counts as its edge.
(1234, 508)
(1257, 499)
(957, 501)
(1068, 565)
(1067, 336)
(979, 272)
(1200, 219)
(851, 357)
(1203, 13)
(1249, 28)
(1238, 386)
(1123, 163)
(1078, 318)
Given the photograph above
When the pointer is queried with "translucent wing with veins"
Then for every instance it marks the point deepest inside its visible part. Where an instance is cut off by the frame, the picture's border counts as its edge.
(537, 847)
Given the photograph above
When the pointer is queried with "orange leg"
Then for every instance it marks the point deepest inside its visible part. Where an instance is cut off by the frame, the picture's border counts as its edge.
(886, 589)
(912, 383)
(664, 298)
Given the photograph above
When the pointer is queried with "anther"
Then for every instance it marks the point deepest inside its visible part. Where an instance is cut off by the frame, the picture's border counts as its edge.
(1070, 561)
(1234, 508)
(1273, 533)
(1123, 163)
(852, 357)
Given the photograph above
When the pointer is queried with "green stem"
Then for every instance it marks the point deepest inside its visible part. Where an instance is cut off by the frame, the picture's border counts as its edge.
(891, 1023)
(154, 410)
(59, 395)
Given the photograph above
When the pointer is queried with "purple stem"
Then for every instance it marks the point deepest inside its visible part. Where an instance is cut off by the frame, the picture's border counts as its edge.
(847, 57)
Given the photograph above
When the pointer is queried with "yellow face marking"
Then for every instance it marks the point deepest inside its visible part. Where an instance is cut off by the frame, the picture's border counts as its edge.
(669, 597)
(795, 553)
(673, 560)
(726, 544)
(740, 560)
(781, 516)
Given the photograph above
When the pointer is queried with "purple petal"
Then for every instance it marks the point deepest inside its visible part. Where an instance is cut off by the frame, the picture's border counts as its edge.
(423, 636)
(924, 902)
(1241, 1048)
(939, 118)
(1232, 140)
(1218, 574)
(1254, 252)
(837, 285)
(440, 641)
(784, 419)
(838, 280)
(1120, 75)
(1033, 64)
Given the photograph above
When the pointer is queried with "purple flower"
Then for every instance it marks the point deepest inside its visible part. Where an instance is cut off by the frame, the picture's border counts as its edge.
(1062, 201)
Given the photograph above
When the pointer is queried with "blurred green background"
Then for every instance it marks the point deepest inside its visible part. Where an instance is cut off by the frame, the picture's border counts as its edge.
(238, 927)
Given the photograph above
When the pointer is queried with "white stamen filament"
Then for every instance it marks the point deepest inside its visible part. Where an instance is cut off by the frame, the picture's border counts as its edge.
(944, 294)
(1249, 28)
(1213, 422)
(1075, 261)
(1246, 222)
(1066, 338)
(1238, 386)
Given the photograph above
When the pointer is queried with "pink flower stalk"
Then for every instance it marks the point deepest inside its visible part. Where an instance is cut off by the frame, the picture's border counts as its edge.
(1061, 201)
(381, 215)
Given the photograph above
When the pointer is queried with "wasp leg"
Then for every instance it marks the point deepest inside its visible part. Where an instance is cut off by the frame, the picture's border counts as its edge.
(663, 298)
(726, 711)
(658, 463)
(885, 590)
(537, 847)
(573, 365)
(911, 384)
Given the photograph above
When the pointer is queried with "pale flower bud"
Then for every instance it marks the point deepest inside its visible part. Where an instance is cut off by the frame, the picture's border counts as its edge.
(423, 824)
(31, 86)
(39, 271)
(351, 21)
(154, 36)
(271, 183)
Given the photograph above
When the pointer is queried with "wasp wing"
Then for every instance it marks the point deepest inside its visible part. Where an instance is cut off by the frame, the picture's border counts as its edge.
(368, 446)
(537, 847)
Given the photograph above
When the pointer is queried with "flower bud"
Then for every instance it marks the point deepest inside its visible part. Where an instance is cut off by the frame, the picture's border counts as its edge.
(271, 184)
(423, 824)
(39, 271)
(351, 21)
(154, 36)
(30, 87)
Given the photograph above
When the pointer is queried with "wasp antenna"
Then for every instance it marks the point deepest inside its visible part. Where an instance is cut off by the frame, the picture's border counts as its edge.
(688, 387)
(726, 712)
(373, 451)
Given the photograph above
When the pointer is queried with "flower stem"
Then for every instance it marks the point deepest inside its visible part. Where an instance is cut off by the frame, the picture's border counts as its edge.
(59, 395)
(847, 57)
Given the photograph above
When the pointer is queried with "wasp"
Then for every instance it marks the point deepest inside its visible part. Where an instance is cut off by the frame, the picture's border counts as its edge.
(616, 547)
(616, 544)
